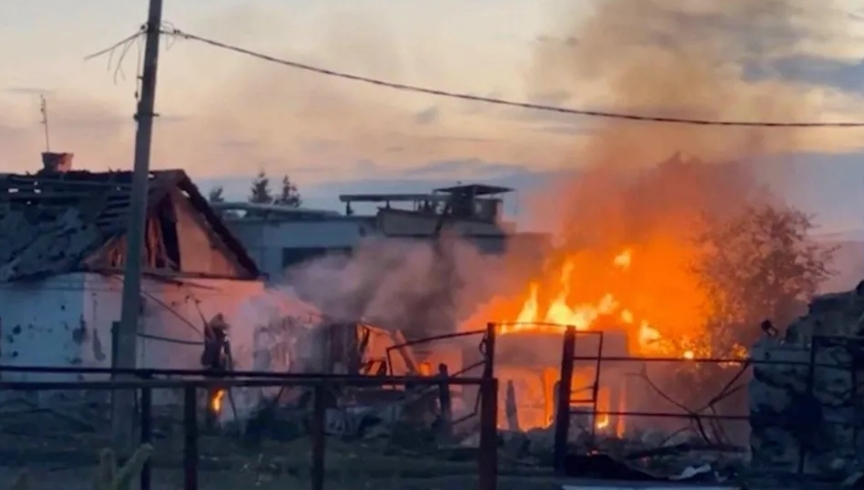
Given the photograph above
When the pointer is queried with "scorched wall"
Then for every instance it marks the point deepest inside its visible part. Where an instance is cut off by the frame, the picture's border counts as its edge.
(66, 320)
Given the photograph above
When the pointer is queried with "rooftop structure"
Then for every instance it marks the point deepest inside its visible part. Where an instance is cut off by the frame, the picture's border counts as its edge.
(473, 201)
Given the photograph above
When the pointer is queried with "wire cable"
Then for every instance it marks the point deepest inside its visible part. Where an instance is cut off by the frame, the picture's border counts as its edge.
(177, 33)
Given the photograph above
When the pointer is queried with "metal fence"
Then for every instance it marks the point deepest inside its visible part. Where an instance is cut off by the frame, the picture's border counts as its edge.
(187, 387)
(717, 412)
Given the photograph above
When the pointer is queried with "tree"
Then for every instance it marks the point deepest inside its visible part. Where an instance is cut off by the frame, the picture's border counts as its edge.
(260, 192)
(756, 262)
(215, 194)
(289, 195)
(760, 263)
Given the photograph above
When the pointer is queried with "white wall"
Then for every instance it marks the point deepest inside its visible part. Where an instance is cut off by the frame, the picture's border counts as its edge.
(173, 315)
(42, 324)
(66, 320)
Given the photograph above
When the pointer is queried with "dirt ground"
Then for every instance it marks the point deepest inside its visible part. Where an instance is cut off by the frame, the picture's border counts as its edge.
(66, 463)
(79, 479)
(46, 478)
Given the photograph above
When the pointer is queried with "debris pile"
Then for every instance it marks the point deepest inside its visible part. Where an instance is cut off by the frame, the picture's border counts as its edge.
(651, 452)
(805, 399)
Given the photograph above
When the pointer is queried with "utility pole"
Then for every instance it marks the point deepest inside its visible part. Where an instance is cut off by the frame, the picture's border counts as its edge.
(127, 331)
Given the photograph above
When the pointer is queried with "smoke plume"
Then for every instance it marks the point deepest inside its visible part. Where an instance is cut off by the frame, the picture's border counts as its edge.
(400, 284)
(683, 59)
(645, 186)
(664, 57)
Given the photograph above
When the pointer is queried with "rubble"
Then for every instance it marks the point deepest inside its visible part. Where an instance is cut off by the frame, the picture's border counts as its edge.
(660, 456)
(805, 402)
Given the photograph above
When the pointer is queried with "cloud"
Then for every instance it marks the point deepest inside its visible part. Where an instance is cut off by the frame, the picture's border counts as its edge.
(236, 144)
(686, 59)
(249, 114)
(463, 168)
(26, 91)
(427, 116)
(319, 145)
(814, 70)
(420, 178)
(253, 114)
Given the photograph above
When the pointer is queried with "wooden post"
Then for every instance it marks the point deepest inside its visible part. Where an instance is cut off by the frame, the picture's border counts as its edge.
(446, 403)
(488, 458)
(562, 404)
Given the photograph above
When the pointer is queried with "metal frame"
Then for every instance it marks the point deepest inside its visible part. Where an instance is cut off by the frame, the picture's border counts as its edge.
(855, 347)
(195, 380)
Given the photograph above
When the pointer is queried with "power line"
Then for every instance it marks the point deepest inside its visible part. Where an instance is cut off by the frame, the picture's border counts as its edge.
(503, 102)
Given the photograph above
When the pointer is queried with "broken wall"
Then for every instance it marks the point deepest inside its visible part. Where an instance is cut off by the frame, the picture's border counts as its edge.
(172, 315)
(66, 320)
(42, 324)
(806, 396)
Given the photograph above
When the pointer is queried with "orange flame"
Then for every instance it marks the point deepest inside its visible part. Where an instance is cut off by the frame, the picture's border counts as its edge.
(584, 315)
(216, 402)
(602, 422)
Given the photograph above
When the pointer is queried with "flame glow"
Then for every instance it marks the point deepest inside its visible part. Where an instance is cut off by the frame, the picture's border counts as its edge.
(602, 422)
(609, 305)
(216, 402)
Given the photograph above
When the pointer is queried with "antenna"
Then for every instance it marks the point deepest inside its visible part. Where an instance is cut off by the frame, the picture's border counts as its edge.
(43, 108)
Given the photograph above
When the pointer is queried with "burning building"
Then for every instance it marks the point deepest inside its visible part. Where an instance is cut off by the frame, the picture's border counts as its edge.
(532, 347)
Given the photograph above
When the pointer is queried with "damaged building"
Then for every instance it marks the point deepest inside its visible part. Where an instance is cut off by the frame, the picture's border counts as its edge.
(806, 396)
(62, 259)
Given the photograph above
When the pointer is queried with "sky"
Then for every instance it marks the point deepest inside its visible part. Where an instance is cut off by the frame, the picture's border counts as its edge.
(223, 117)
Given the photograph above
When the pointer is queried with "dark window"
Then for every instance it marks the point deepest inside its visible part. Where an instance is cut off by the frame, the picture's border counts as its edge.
(294, 256)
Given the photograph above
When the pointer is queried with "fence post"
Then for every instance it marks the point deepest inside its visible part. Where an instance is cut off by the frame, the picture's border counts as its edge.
(446, 402)
(146, 431)
(489, 339)
(562, 404)
(808, 393)
(319, 419)
(190, 447)
(488, 458)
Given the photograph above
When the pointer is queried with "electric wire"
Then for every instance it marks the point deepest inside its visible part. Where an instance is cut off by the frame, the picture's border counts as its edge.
(177, 33)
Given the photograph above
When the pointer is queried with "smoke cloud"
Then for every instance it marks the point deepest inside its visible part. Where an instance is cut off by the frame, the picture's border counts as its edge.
(646, 187)
(682, 59)
(664, 57)
(401, 284)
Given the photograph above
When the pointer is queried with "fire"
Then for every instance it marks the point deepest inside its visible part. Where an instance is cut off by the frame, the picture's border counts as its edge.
(602, 422)
(584, 315)
(623, 259)
(216, 402)
(647, 291)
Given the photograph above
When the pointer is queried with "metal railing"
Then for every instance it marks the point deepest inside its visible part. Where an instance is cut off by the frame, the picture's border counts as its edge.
(192, 382)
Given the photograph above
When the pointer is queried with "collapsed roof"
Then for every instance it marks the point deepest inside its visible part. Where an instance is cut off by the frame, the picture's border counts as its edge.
(58, 222)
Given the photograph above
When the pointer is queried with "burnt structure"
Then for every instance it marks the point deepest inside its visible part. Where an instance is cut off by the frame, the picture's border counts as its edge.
(536, 362)
(62, 220)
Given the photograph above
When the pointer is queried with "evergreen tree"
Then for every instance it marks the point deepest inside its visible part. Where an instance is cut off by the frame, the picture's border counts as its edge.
(289, 195)
(260, 192)
(216, 194)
